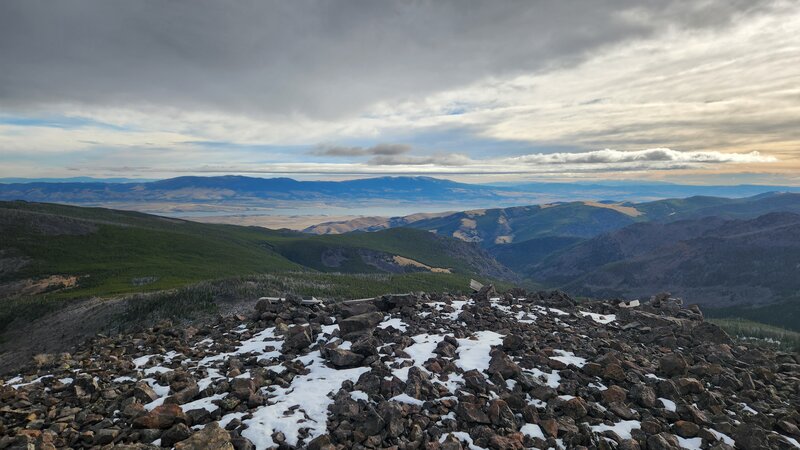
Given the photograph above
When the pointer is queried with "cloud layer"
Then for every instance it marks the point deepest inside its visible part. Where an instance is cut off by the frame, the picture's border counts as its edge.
(308, 57)
(552, 165)
(374, 87)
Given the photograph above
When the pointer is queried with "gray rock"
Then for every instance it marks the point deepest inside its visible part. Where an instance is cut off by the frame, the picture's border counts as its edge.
(343, 358)
(360, 324)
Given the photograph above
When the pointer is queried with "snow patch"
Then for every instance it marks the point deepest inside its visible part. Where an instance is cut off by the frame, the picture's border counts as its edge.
(599, 318)
(309, 394)
(359, 395)
(532, 430)
(790, 440)
(690, 443)
(669, 405)
(474, 353)
(569, 358)
(551, 379)
(723, 437)
(747, 408)
(405, 398)
(396, 323)
(623, 428)
(204, 403)
(419, 352)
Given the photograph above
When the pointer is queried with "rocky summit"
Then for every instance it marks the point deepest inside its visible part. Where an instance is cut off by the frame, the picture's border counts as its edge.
(489, 371)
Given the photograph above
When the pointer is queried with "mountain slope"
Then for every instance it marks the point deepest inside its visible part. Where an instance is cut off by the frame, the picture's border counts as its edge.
(523, 256)
(711, 261)
(499, 226)
(576, 219)
(101, 252)
(733, 208)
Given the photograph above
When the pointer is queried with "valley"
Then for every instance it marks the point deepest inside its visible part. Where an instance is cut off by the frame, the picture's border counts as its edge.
(736, 257)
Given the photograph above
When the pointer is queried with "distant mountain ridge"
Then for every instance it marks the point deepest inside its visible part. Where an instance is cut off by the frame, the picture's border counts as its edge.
(242, 190)
(581, 219)
(230, 188)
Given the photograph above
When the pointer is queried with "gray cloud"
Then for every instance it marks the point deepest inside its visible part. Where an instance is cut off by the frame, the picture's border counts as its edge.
(309, 58)
(652, 155)
(380, 149)
(445, 160)
(605, 160)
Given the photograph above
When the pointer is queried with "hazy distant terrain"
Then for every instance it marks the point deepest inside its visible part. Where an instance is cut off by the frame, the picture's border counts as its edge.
(236, 199)
(275, 222)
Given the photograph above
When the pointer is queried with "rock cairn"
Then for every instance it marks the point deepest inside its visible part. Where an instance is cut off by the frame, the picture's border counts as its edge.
(490, 371)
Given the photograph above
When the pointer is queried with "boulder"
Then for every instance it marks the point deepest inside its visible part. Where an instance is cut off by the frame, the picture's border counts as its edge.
(143, 392)
(663, 441)
(686, 429)
(162, 417)
(614, 394)
(392, 415)
(501, 415)
(643, 395)
(672, 365)
(501, 364)
(396, 301)
(575, 407)
(341, 358)
(175, 434)
(185, 395)
(485, 293)
(472, 413)
(211, 437)
(514, 342)
(360, 324)
(749, 436)
(614, 372)
(298, 337)
(707, 332)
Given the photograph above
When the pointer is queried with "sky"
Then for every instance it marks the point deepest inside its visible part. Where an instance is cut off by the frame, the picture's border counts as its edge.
(702, 92)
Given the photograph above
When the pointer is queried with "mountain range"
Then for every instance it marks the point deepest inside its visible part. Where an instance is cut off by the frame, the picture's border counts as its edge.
(721, 253)
(734, 256)
(177, 195)
(248, 189)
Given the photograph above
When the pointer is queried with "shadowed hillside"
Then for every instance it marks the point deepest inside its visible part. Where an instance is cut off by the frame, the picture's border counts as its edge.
(734, 264)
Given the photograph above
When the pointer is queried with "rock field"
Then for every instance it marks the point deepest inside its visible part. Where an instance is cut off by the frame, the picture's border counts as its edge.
(491, 371)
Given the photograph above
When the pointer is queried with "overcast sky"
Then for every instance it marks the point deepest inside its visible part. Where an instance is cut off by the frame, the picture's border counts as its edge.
(695, 91)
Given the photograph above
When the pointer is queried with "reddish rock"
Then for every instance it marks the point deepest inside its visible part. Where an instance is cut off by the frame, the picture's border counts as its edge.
(162, 417)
